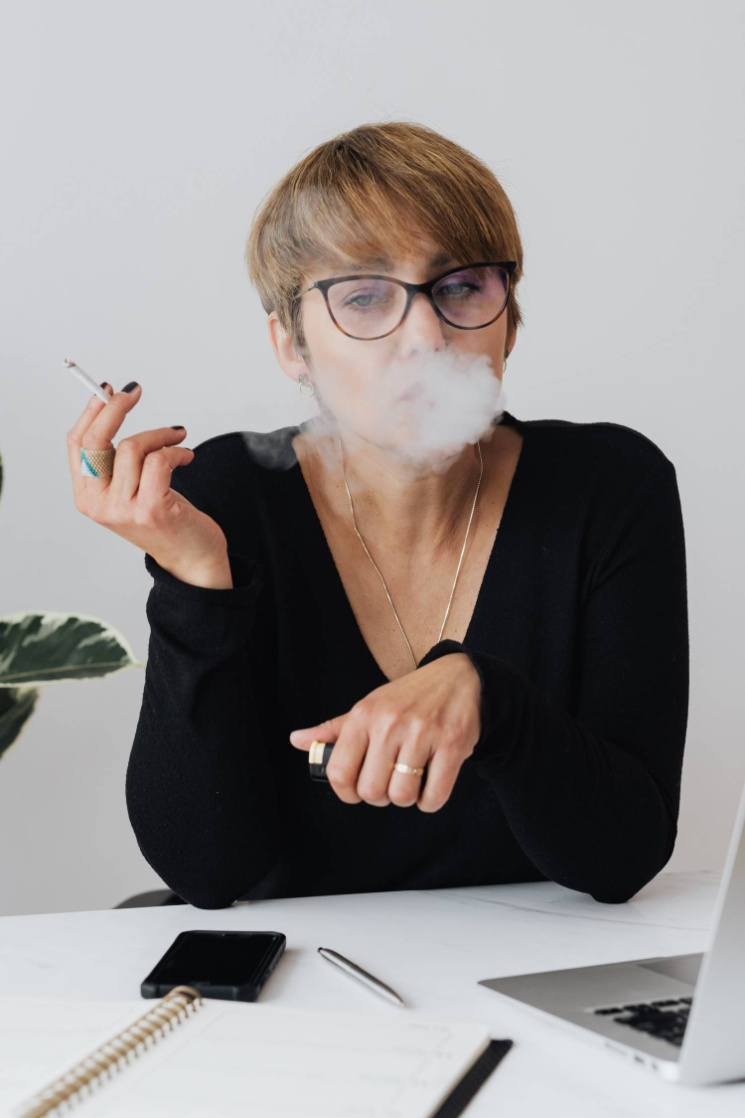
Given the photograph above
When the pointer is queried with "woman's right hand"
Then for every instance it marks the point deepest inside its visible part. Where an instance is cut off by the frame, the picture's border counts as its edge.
(137, 502)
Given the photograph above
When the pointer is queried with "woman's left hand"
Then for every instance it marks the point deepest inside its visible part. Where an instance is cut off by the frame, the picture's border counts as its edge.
(431, 716)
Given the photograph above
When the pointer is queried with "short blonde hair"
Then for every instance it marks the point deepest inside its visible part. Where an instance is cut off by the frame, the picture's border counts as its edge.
(367, 190)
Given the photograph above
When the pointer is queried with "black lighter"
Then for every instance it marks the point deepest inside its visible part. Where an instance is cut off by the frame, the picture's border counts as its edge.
(318, 758)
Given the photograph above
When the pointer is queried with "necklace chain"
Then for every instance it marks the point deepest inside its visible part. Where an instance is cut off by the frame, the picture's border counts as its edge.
(369, 556)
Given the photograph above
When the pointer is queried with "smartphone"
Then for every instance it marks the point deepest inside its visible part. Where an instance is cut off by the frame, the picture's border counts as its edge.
(229, 965)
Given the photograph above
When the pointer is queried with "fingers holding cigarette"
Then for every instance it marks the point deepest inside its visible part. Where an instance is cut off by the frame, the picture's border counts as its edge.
(137, 501)
(95, 429)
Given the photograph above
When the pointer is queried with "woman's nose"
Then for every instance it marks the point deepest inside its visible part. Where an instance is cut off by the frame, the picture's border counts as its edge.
(422, 328)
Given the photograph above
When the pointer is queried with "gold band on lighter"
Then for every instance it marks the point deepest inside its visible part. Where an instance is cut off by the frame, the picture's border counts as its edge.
(97, 463)
(315, 757)
(315, 753)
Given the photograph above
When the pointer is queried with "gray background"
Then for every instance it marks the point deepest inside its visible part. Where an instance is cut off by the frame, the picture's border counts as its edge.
(138, 140)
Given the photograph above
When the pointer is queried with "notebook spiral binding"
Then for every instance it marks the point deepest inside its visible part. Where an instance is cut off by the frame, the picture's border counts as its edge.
(91, 1072)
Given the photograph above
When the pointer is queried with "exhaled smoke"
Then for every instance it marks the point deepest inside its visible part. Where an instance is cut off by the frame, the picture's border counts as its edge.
(423, 411)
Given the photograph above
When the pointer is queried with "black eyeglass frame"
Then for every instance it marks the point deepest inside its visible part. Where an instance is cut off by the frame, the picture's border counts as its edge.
(413, 289)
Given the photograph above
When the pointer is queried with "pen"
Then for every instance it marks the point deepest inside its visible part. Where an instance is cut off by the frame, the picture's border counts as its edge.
(89, 382)
(361, 975)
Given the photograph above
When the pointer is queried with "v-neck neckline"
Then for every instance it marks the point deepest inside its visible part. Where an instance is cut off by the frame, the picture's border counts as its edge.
(316, 526)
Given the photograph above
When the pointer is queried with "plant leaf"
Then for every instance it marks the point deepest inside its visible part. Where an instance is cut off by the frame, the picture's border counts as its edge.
(17, 704)
(51, 647)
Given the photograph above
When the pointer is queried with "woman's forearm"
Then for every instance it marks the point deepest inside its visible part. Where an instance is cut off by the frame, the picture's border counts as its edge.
(586, 811)
(592, 793)
(200, 791)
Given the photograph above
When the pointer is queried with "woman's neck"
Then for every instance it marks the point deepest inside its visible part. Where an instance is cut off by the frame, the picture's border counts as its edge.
(406, 512)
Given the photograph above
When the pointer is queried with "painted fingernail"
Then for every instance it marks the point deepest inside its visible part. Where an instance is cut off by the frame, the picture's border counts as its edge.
(105, 384)
(128, 387)
(178, 427)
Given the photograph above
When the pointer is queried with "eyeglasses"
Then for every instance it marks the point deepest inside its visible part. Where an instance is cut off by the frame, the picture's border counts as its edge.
(368, 307)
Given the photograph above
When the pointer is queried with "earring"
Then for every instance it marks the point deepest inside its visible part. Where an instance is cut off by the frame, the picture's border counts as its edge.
(305, 383)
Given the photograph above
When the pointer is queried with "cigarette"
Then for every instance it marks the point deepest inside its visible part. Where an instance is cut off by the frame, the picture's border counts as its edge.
(89, 382)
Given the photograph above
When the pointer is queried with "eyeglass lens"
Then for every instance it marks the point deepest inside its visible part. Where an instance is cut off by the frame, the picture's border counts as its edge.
(368, 308)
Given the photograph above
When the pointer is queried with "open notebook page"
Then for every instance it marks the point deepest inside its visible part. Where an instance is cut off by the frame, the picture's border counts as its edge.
(231, 1058)
(41, 1037)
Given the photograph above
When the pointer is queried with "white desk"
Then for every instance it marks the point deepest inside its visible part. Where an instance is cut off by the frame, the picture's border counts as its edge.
(432, 947)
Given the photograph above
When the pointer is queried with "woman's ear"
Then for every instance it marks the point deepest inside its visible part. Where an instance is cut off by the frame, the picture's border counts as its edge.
(290, 361)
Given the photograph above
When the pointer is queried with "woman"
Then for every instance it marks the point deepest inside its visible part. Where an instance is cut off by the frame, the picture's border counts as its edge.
(491, 628)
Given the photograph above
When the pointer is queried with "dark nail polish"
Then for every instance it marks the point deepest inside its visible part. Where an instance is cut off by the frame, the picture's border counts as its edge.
(104, 384)
(178, 427)
(128, 387)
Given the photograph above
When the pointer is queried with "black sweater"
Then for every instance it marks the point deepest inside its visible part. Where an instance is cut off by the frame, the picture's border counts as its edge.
(579, 635)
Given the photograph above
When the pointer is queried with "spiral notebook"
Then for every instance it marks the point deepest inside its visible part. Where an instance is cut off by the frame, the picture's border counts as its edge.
(187, 1056)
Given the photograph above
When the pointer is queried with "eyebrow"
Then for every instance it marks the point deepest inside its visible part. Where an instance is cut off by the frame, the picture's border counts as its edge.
(436, 261)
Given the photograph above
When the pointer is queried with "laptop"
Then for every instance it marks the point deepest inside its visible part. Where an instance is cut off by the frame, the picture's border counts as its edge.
(681, 1015)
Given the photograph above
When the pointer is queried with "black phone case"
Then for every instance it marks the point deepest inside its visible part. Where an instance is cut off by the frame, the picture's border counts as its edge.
(151, 987)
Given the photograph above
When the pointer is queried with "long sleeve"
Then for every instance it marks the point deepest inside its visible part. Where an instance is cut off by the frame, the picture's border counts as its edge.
(592, 795)
(200, 790)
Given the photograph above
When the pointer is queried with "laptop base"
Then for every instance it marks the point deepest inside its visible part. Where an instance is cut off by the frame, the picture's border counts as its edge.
(571, 997)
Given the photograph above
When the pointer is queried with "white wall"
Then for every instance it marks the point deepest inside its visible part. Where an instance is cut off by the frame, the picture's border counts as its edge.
(140, 139)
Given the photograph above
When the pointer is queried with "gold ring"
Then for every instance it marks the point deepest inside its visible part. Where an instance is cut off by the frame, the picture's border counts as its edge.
(400, 767)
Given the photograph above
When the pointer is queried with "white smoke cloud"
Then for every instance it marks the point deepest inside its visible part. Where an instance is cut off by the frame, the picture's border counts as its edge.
(450, 399)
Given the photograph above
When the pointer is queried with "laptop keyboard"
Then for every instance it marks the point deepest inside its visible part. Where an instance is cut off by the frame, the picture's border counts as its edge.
(665, 1018)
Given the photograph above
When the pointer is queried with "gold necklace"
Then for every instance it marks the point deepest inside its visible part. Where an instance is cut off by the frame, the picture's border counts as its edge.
(369, 556)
